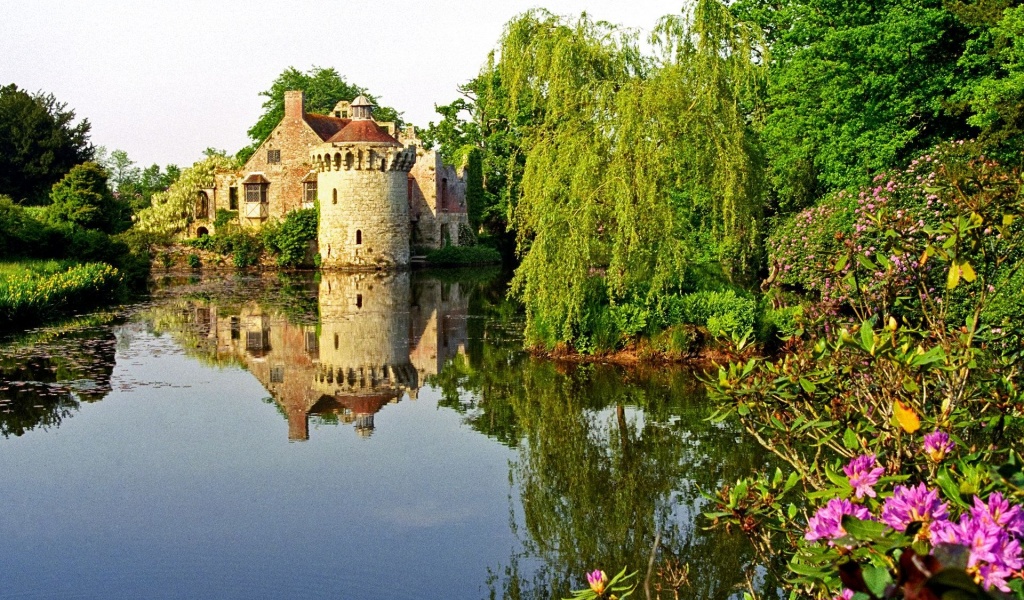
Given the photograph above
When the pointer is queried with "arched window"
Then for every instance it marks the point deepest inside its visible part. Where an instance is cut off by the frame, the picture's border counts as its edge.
(336, 340)
(203, 206)
(202, 232)
(359, 237)
(359, 300)
(349, 161)
(334, 196)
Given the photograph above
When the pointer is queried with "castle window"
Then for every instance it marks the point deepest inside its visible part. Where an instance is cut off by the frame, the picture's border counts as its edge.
(203, 206)
(309, 194)
(359, 237)
(444, 195)
(359, 300)
(233, 198)
(256, 193)
(277, 374)
(312, 342)
(236, 328)
(336, 340)
(273, 156)
(334, 196)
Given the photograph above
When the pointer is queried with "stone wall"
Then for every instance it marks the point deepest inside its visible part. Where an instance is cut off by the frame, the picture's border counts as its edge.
(364, 210)
(437, 200)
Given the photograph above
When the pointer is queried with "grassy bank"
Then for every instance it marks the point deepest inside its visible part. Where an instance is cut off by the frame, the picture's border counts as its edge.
(32, 291)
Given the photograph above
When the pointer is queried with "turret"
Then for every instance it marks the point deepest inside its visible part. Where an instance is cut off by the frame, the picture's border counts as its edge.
(363, 192)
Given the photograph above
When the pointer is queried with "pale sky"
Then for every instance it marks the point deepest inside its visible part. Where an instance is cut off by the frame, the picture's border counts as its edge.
(163, 80)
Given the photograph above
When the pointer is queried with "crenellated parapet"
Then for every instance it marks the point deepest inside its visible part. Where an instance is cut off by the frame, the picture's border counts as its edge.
(343, 156)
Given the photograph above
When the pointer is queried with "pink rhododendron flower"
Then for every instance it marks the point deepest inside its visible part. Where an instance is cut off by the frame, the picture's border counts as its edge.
(863, 473)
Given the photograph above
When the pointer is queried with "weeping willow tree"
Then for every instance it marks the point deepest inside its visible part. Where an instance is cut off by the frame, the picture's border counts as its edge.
(173, 210)
(637, 167)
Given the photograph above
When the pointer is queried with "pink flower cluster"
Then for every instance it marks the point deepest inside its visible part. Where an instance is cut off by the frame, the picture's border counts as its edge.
(992, 531)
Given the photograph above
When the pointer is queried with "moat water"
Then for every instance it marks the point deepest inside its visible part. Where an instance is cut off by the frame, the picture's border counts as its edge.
(347, 436)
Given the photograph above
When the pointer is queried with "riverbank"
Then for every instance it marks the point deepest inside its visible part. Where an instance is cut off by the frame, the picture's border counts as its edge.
(35, 291)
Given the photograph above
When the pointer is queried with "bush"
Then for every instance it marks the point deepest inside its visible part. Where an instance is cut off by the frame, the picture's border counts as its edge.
(289, 240)
(193, 261)
(464, 255)
(224, 217)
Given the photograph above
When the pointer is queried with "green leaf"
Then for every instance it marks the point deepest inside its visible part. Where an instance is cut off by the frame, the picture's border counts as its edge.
(863, 530)
(791, 512)
(807, 385)
(954, 276)
(867, 337)
(841, 263)
(877, 579)
(949, 487)
(850, 439)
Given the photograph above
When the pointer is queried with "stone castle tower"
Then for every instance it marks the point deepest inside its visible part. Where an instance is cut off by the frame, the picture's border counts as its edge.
(363, 192)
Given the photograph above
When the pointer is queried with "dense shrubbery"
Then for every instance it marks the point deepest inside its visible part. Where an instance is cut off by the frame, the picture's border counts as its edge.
(244, 247)
(464, 255)
(32, 291)
(907, 370)
(290, 239)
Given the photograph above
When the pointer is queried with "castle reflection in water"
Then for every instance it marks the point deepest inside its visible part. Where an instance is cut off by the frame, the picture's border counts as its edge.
(379, 337)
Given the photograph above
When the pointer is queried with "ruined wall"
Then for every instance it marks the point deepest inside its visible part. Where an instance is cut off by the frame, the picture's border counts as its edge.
(364, 211)
(437, 200)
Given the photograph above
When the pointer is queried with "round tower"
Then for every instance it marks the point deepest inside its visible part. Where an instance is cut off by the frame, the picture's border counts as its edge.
(363, 192)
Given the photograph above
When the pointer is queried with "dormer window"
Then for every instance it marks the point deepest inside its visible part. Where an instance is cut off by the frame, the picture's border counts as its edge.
(273, 156)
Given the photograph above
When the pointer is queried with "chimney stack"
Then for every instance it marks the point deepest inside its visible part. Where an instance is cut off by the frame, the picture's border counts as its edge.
(294, 104)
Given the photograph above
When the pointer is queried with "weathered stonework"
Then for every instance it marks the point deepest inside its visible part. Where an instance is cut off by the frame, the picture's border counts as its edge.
(364, 210)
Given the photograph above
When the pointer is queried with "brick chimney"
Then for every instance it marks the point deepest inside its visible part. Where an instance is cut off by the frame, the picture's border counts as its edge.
(294, 104)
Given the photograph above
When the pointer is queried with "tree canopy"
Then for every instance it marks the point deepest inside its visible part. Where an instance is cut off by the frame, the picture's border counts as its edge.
(323, 87)
(83, 198)
(39, 143)
(636, 167)
(857, 88)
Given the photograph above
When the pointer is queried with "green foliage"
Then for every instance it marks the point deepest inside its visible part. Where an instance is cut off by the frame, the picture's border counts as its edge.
(631, 161)
(173, 210)
(82, 198)
(193, 261)
(463, 255)
(37, 291)
(38, 143)
(20, 233)
(995, 96)
(857, 89)
(224, 217)
(136, 186)
(486, 121)
(910, 345)
(243, 246)
(290, 239)
(323, 87)
(474, 187)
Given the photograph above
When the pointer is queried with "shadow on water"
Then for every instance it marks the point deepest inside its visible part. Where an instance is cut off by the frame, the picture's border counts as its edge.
(608, 465)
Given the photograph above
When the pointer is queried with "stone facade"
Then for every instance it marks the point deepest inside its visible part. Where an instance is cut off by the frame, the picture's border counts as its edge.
(415, 201)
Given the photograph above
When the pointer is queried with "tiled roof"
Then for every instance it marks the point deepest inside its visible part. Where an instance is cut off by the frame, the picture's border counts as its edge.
(256, 178)
(324, 126)
(364, 131)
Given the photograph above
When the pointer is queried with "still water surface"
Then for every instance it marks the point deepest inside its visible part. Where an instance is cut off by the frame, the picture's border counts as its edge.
(346, 436)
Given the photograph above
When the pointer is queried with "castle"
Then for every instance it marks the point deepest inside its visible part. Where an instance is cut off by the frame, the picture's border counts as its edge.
(380, 192)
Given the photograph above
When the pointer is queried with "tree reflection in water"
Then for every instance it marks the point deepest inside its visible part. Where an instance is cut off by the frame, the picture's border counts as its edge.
(610, 467)
(44, 376)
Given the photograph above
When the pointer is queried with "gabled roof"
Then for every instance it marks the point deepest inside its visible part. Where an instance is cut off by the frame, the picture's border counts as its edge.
(256, 178)
(324, 126)
(310, 177)
(364, 130)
